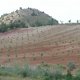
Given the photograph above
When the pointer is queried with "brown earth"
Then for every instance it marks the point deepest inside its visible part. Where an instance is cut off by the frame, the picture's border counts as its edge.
(57, 44)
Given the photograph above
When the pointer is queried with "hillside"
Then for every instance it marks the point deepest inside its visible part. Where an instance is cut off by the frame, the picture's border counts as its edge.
(58, 44)
(27, 18)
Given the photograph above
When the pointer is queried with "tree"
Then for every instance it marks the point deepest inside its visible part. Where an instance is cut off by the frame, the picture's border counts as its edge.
(20, 8)
(52, 22)
(33, 13)
(69, 21)
(77, 21)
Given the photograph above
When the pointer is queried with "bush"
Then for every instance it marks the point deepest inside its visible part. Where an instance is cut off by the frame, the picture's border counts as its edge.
(3, 27)
(33, 13)
(46, 73)
(78, 75)
(25, 71)
(43, 72)
(52, 22)
(4, 15)
(16, 24)
(7, 71)
(37, 23)
(71, 66)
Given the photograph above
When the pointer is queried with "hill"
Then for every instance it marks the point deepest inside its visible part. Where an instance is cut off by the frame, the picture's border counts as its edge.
(58, 44)
(26, 18)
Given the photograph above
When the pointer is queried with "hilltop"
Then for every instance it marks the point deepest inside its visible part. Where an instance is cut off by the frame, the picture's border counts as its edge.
(26, 18)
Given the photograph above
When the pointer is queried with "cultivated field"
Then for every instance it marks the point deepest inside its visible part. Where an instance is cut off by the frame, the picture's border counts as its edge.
(57, 44)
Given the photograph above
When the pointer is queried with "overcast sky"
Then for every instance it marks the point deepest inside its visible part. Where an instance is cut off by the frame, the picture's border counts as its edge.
(58, 9)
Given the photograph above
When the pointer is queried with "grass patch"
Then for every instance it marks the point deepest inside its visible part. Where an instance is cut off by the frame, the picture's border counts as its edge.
(41, 72)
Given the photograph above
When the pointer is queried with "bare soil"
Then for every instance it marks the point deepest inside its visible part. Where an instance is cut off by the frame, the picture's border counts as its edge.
(57, 44)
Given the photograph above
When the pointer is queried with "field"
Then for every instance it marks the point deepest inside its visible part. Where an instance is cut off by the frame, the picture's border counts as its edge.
(58, 44)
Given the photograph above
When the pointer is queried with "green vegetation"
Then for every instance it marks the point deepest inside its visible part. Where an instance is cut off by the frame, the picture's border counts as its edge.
(19, 24)
(25, 18)
(52, 22)
(12, 25)
(41, 72)
(4, 15)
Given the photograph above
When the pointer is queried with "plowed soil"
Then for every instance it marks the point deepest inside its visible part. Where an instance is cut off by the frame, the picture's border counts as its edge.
(57, 44)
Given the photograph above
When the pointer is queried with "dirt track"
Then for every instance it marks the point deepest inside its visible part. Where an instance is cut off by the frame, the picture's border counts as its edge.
(52, 44)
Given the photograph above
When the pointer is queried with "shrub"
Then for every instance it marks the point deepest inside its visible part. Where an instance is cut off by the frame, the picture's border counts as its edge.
(69, 76)
(43, 72)
(37, 23)
(52, 22)
(4, 15)
(3, 27)
(33, 13)
(78, 75)
(71, 66)
(25, 71)
(16, 24)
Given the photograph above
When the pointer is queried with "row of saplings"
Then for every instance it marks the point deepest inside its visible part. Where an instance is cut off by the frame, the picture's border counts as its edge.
(43, 72)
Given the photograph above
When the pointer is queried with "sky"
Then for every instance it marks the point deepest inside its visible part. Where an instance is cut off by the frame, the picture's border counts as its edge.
(62, 10)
